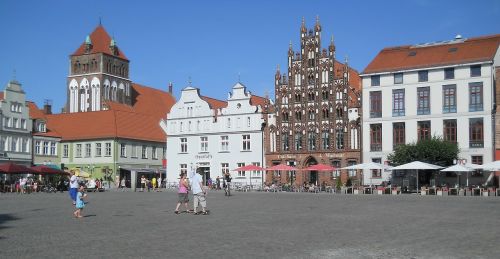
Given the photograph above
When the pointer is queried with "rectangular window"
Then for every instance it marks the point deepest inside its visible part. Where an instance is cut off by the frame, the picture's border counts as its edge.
(298, 141)
(144, 152)
(475, 97)
(164, 156)
(449, 98)
(184, 169)
(423, 97)
(98, 149)
(203, 144)
(423, 76)
(450, 130)
(255, 173)
(38, 147)
(241, 173)
(184, 146)
(15, 122)
(246, 142)
(398, 78)
(134, 151)
(78, 150)
(325, 139)
(339, 139)
(311, 140)
(23, 123)
(285, 144)
(45, 148)
(477, 160)
(65, 150)
(375, 104)
(224, 143)
(476, 133)
(352, 173)
(154, 153)
(53, 148)
(475, 70)
(398, 102)
(123, 149)
(375, 80)
(376, 137)
(108, 149)
(398, 134)
(377, 173)
(87, 149)
(225, 168)
(449, 73)
(424, 130)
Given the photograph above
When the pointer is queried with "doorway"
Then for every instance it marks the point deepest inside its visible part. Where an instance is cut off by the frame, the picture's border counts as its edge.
(313, 175)
(205, 172)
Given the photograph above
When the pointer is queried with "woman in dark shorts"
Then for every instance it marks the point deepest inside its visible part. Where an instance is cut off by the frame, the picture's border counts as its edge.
(183, 193)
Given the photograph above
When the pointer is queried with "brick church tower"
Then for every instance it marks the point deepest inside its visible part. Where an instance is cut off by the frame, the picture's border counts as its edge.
(99, 72)
(317, 113)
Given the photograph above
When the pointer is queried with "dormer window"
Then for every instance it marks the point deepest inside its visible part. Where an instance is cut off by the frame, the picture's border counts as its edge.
(42, 127)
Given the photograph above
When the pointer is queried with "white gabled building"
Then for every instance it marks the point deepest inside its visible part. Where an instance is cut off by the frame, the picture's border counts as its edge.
(436, 89)
(216, 136)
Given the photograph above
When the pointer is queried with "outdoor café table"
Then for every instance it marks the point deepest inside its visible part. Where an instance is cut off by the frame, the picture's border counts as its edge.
(368, 190)
(453, 191)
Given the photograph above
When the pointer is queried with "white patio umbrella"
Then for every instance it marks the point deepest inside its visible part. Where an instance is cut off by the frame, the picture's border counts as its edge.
(367, 166)
(458, 169)
(417, 165)
(491, 166)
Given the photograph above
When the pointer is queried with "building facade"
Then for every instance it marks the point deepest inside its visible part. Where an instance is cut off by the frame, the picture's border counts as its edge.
(444, 89)
(15, 125)
(216, 136)
(99, 71)
(45, 143)
(317, 114)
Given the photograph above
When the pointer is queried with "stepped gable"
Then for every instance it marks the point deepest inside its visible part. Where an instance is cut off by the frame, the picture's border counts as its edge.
(101, 42)
(452, 52)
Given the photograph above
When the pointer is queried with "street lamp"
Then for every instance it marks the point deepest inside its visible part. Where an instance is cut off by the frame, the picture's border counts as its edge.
(262, 127)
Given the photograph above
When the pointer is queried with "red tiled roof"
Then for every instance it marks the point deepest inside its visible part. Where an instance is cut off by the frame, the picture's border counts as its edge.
(152, 101)
(399, 58)
(100, 44)
(34, 112)
(140, 121)
(214, 103)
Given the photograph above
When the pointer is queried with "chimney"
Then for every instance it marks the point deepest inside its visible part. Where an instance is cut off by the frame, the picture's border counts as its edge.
(170, 86)
(47, 106)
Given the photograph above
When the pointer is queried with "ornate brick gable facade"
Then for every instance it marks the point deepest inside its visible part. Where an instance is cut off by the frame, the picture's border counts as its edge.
(317, 117)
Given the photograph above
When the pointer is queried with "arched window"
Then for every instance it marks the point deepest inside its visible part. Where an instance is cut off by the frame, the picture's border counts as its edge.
(340, 112)
(298, 115)
(326, 114)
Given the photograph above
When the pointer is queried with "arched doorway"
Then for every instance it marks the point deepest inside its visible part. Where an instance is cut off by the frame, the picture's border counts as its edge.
(311, 176)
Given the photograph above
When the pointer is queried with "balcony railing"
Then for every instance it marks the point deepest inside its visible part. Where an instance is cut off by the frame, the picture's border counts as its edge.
(376, 147)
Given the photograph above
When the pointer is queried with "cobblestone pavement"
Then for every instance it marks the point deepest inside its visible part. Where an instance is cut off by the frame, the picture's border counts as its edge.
(250, 225)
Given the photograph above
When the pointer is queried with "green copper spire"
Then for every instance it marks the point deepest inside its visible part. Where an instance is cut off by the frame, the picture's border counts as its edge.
(87, 40)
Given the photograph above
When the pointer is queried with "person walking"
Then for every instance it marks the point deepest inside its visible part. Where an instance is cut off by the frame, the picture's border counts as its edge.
(123, 184)
(217, 183)
(143, 183)
(199, 193)
(73, 186)
(80, 202)
(153, 183)
(183, 193)
(227, 188)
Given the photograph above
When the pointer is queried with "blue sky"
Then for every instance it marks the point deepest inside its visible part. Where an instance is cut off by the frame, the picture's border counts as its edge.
(214, 41)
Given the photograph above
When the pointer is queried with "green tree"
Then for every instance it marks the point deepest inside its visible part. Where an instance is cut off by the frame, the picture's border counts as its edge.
(434, 151)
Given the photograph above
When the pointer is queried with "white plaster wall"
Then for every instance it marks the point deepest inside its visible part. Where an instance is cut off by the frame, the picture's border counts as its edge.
(435, 82)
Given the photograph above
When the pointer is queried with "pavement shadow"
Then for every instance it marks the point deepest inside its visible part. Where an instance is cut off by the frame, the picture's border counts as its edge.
(88, 216)
(4, 218)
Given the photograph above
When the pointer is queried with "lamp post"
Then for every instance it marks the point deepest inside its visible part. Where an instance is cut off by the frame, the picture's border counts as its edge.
(262, 127)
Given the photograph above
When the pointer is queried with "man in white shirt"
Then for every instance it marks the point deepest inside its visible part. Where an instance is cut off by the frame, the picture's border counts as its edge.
(199, 193)
(73, 186)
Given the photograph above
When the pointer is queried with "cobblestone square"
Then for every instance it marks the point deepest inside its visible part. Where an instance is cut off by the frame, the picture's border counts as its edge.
(250, 225)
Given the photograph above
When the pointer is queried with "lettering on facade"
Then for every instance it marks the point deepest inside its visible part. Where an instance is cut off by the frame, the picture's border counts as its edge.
(286, 156)
(332, 155)
(203, 156)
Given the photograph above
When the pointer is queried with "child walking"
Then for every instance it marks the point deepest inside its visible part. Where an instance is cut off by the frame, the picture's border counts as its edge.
(80, 203)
